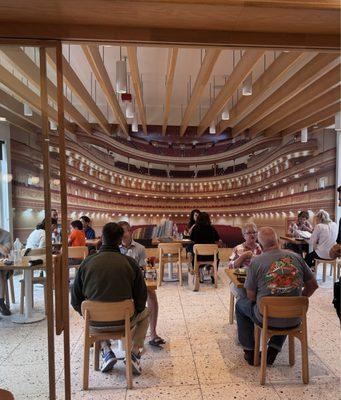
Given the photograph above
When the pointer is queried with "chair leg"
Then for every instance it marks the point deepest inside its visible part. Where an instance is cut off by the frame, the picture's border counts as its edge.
(96, 355)
(161, 266)
(22, 296)
(305, 362)
(215, 273)
(86, 362)
(334, 271)
(180, 270)
(231, 311)
(257, 345)
(7, 299)
(45, 299)
(324, 272)
(11, 285)
(263, 358)
(291, 350)
(129, 369)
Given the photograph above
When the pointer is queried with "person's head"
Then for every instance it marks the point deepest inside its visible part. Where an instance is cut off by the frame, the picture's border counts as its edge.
(54, 214)
(339, 190)
(42, 224)
(203, 219)
(303, 216)
(322, 217)
(85, 221)
(126, 231)
(112, 234)
(249, 231)
(77, 225)
(194, 216)
(267, 238)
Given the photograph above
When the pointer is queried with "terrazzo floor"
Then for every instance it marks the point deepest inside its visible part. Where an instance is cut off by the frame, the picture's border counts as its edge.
(200, 360)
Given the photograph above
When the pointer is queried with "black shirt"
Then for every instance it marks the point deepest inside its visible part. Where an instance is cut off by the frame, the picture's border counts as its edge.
(204, 234)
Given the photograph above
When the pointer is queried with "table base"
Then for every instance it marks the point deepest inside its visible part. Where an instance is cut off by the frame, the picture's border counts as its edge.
(170, 277)
(22, 319)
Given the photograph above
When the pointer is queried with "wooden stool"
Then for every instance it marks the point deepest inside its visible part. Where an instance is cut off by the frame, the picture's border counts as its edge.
(283, 307)
(205, 250)
(333, 266)
(172, 252)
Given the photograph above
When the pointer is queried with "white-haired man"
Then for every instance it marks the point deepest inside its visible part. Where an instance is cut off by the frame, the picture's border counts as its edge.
(276, 272)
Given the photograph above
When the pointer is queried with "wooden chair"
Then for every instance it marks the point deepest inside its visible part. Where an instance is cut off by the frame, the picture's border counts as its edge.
(6, 395)
(104, 312)
(205, 250)
(172, 253)
(79, 252)
(324, 263)
(283, 307)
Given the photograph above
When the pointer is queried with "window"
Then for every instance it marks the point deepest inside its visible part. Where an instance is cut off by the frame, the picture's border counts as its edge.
(323, 182)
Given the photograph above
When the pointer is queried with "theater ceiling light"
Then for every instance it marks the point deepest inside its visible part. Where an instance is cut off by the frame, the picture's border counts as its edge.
(247, 86)
(121, 76)
(3, 119)
(27, 110)
(304, 135)
(53, 126)
(212, 129)
(225, 115)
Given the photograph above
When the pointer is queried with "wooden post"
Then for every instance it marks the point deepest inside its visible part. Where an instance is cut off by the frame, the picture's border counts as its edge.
(63, 202)
(48, 230)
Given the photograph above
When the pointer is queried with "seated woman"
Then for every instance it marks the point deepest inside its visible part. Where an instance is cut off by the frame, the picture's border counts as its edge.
(322, 239)
(187, 232)
(37, 238)
(204, 233)
(298, 229)
(242, 254)
(77, 236)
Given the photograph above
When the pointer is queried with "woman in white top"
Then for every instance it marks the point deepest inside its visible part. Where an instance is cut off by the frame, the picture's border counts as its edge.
(36, 239)
(322, 239)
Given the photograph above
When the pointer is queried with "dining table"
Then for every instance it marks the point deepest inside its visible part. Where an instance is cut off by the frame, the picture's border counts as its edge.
(233, 277)
(30, 315)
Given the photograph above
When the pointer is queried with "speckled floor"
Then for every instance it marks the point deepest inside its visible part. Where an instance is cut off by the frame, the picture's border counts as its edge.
(200, 361)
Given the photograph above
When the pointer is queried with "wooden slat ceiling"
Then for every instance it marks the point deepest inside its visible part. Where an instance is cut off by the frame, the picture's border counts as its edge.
(289, 89)
(304, 23)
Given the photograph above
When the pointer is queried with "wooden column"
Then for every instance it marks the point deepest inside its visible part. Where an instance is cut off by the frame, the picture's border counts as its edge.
(48, 231)
(63, 202)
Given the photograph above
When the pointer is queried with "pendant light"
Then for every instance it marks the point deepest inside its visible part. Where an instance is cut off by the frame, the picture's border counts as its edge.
(129, 110)
(212, 128)
(121, 75)
(53, 126)
(27, 110)
(134, 125)
(247, 86)
(225, 115)
(304, 135)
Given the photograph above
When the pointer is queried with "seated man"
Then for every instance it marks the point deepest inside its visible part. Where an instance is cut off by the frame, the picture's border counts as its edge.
(109, 276)
(88, 231)
(266, 278)
(138, 253)
(5, 247)
(77, 236)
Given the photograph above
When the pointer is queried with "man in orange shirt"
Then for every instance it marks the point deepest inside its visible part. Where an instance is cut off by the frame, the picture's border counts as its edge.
(76, 237)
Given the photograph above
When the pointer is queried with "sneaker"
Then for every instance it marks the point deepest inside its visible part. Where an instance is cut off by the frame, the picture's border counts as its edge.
(4, 310)
(271, 355)
(136, 364)
(108, 361)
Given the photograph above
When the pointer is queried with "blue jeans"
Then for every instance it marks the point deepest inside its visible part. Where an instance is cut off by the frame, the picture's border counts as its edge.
(245, 324)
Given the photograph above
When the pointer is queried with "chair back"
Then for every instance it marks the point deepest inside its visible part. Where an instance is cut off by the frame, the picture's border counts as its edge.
(35, 252)
(169, 248)
(284, 306)
(100, 311)
(205, 249)
(80, 252)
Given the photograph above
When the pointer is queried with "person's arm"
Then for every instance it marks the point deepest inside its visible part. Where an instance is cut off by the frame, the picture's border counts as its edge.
(42, 241)
(334, 252)
(309, 280)
(250, 284)
(139, 288)
(5, 247)
(77, 296)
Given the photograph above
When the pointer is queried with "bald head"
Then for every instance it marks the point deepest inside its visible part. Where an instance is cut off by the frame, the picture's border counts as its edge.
(267, 237)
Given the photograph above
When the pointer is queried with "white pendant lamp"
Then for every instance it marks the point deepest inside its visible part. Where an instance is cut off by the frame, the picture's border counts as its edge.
(121, 76)
(134, 125)
(53, 126)
(225, 115)
(304, 135)
(212, 128)
(27, 110)
(247, 86)
(338, 121)
(129, 110)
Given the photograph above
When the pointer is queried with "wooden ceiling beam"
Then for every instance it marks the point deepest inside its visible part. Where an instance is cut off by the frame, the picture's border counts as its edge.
(315, 90)
(17, 121)
(16, 107)
(320, 103)
(201, 81)
(23, 63)
(172, 57)
(135, 77)
(239, 73)
(97, 65)
(28, 96)
(284, 65)
(312, 120)
(317, 67)
(79, 89)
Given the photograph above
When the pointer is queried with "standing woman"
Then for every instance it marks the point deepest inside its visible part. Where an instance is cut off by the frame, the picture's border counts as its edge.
(322, 239)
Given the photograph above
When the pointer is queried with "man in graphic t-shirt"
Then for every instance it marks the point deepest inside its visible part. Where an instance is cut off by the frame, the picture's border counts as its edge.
(276, 272)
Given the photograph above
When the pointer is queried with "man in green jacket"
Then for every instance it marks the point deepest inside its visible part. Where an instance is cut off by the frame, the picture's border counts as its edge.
(109, 276)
